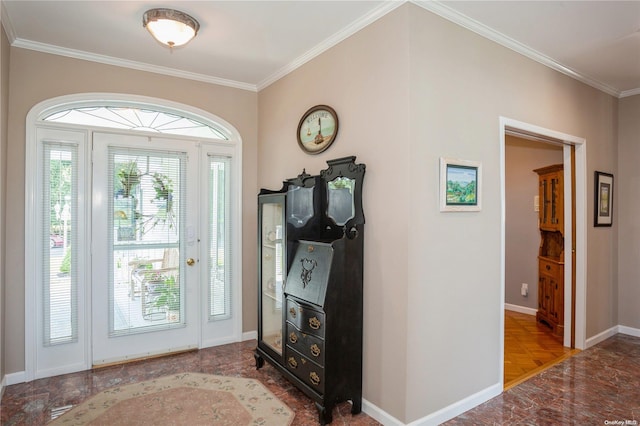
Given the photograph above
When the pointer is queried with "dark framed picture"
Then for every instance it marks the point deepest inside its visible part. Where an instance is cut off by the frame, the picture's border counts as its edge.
(603, 199)
(317, 129)
(460, 185)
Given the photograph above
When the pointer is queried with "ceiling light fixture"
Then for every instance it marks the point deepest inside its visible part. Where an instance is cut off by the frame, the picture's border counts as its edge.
(170, 27)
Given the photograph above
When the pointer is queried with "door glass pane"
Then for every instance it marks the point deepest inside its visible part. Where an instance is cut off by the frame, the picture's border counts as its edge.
(219, 240)
(147, 201)
(59, 231)
(272, 264)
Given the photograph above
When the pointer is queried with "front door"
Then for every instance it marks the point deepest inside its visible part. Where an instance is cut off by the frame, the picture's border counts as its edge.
(133, 229)
(145, 247)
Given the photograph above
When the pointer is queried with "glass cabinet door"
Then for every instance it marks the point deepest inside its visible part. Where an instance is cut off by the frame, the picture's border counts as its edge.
(272, 271)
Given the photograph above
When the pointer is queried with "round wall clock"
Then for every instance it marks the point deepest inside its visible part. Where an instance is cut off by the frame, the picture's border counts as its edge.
(317, 129)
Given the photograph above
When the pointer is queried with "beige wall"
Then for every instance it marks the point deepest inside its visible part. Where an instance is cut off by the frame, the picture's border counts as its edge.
(409, 89)
(626, 185)
(4, 99)
(36, 77)
(460, 85)
(522, 236)
(365, 80)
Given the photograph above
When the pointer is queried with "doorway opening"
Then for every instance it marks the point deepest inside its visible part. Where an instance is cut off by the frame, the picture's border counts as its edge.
(571, 152)
(530, 342)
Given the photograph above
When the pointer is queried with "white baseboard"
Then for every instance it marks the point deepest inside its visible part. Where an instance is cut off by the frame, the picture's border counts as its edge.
(521, 309)
(601, 337)
(629, 330)
(459, 407)
(250, 335)
(15, 378)
(379, 414)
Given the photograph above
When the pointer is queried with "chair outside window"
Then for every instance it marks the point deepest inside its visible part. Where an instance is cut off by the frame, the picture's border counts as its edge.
(157, 282)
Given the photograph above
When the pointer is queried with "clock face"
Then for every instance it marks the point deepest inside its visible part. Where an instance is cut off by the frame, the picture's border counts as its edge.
(317, 129)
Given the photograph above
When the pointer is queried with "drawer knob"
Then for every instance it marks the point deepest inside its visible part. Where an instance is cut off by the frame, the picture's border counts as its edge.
(315, 350)
(292, 362)
(314, 323)
(292, 311)
(548, 267)
(293, 337)
(315, 379)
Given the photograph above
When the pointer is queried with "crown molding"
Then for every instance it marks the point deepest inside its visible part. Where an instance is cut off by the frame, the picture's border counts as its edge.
(6, 23)
(140, 66)
(346, 32)
(433, 6)
(472, 25)
(627, 93)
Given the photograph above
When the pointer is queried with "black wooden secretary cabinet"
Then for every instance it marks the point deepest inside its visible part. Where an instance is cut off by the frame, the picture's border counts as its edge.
(310, 250)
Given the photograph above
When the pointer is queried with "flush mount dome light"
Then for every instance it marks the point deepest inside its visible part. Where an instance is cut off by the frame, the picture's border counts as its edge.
(170, 27)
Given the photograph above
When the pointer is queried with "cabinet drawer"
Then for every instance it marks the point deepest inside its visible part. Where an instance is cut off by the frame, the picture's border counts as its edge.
(308, 345)
(306, 319)
(550, 268)
(305, 369)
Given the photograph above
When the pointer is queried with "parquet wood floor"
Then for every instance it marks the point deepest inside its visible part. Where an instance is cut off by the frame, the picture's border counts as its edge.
(529, 347)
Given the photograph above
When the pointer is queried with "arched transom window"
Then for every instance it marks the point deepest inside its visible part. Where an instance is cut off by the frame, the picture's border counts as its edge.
(132, 118)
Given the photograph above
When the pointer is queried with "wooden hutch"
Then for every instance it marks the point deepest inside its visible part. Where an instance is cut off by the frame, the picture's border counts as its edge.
(551, 252)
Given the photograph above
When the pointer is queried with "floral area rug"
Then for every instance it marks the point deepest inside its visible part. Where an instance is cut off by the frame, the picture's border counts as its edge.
(184, 399)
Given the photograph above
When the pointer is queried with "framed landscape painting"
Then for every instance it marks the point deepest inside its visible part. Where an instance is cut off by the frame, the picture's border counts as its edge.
(603, 199)
(460, 185)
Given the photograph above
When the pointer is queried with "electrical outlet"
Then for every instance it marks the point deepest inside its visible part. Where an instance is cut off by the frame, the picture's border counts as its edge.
(524, 290)
(536, 203)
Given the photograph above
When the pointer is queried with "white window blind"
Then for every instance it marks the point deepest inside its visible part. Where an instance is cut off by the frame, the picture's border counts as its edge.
(59, 236)
(147, 197)
(220, 227)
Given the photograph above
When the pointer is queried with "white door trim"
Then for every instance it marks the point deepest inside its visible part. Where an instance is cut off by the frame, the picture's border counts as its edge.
(543, 134)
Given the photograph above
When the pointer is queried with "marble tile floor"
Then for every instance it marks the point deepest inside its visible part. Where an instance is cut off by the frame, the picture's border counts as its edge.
(598, 386)
(37, 402)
